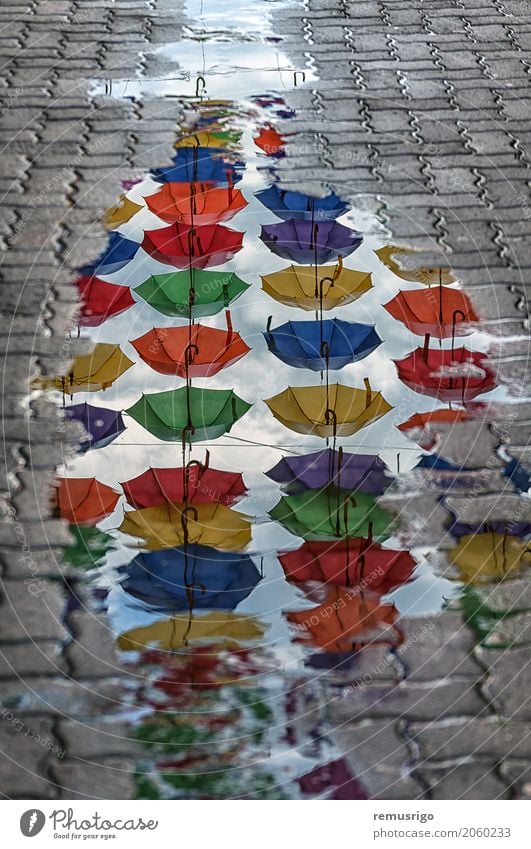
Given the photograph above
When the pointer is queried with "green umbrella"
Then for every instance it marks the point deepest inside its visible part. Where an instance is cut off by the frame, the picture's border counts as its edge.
(173, 294)
(89, 547)
(195, 413)
(330, 512)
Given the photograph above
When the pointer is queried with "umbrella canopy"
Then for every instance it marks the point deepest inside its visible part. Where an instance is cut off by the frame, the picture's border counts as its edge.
(102, 425)
(121, 213)
(347, 563)
(323, 287)
(450, 375)
(196, 247)
(409, 270)
(292, 205)
(195, 413)
(270, 142)
(196, 577)
(90, 546)
(319, 345)
(101, 300)
(365, 472)
(333, 778)
(440, 311)
(118, 253)
(201, 485)
(489, 556)
(195, 203)
(172, 524)
(305, 241)
(196, 351)
(92, 372)
(179, 631)
(332, 512)
(200, 164)
(200, 294)
(335, 410)
(417, 427)
(84, 501)
(206, 138)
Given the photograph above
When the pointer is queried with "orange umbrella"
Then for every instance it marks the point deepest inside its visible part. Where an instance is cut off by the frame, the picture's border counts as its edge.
(195, 203)
(440, 311)
(194, 351)
(84, 501)
(269, 141)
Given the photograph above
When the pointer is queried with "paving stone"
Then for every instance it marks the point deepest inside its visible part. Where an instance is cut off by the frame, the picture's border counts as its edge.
(465, 781)
(32, 608)
(457, 738)
(437, 646)
(110, 778)
(42, 657)
(23, 760)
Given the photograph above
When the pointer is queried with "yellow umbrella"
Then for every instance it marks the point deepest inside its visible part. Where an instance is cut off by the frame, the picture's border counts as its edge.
(90, 373)
(177, 632)
(334, 410)
(482, 557)
(321, 287)
(173, 524)
(121, 213)
(206, 138)
(411, 273)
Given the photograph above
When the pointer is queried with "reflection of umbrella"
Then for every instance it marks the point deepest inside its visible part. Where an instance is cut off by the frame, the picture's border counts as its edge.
(203, 485)
(489, 556)
(196, 247)
(305, 241)
(323, 287)
(333, 778)
(101, 300)
(319, 345)
(196, 351)
(440, 311)
(102, 425)
(331, 512)
(348, 562)
(196, 577)
(334, 410)
(270, 141)
(195, 203)
(417, 427)
(204, 164)
(205, 138)
(118, 253)
(314, 471)
(171, 524)
(84, 501)
(92, 372)
(173, 294)
(412, 273)
(177, 632)
(291, 205)
(121, 213)
(89, 547)
(196, 413)
(451, 375)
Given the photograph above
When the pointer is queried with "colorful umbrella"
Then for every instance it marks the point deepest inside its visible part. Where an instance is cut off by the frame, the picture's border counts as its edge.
(334, 410)
(195, 483)
(347, 562)
(365, 472)
(322, 287)
(102, 425)
(333, 778)
(417, 427)
(90, 546)
(196, 577)
(195, 203)
(121, 213)
(119, 252)
(196, 247)
(441, 312)
(320, 345)
(412, 274)
(189, 412)
(84, 501)
(195, 351)
(270, 142)
(306, 241)
(489, 556)
(295, 205)
(450, 375)
(200, 164)
(177, 632)
(332, 512)
(92, 372)
(205, 138)
(101, 300)
(200, 294)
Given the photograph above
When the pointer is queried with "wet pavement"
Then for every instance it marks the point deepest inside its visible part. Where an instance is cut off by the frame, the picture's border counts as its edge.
(324, 595)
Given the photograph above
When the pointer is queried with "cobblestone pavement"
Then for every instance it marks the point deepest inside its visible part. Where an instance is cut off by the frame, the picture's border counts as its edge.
(421, 116)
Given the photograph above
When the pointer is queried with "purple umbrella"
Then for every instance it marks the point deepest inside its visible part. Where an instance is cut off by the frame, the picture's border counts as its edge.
(102, 425)
(365, 472)
(307, 241)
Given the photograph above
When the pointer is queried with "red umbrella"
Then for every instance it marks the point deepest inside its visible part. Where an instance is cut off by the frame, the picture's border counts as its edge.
(269, 141)
(83, 501)
(451, 375)
(101, 300)
(440, 311)
(198, 247)
(194, 351)
(195, 203)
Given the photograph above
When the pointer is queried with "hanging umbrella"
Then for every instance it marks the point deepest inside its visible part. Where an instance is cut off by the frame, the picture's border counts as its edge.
(101, 300)
(319, 345)
(177, 632)
(195, 203)
(270, 142)
(300, 472)
(195, 484)
(118, 253)
(83, 501)
(172, 524)
(102, 425)
(197, 577)
(92, 372)
(450, 375)
(321, 287)
(334, 410)
(412, 274)
(190, 412)
(121, 213)
(332, 512)
(90, 546)
(348, 562)
(195, 351)
(490, 556)
(440, 311)
(295, 205)
(173, 294)
(206, 138)
(306, 241)
(196, 247)
(200, 164)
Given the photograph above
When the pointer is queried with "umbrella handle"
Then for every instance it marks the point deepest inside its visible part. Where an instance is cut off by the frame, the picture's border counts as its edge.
(339, 267)
(189, 429)
(188, 358)
(184, 516)
(331, 415)
(325, 351)
(228, 319)
(202, 467)
(426, 347)
(454, 323)
(269, 320)
(368, 392)
(200, 85)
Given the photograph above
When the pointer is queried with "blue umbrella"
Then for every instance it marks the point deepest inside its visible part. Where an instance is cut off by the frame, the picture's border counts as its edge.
(310, 241)
(319, 345)
(116, 255)
(293, 205)
(196, 577)
(200, 164)
(102, 424)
